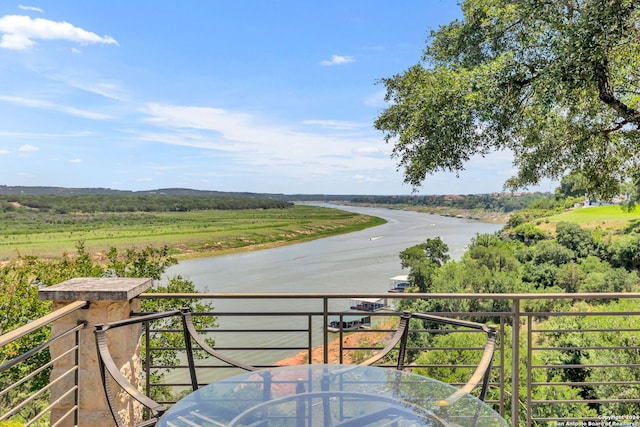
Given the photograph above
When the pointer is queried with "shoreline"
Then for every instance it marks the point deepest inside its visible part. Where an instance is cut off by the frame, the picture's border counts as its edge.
(480, 215)
(356, 340)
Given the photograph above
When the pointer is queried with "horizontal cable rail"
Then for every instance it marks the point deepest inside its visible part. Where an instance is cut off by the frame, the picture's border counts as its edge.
(41, 322)
(25, 383)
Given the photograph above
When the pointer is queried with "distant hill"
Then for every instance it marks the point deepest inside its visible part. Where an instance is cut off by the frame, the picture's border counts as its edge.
(25, 191)
(7, 190)
(499, 202)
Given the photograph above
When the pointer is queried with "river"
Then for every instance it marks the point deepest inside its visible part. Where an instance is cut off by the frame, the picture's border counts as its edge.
(362, 261)
(358, 262)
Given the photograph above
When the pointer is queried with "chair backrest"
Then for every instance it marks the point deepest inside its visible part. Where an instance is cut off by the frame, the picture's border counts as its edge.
(109, 369)
(482, 372)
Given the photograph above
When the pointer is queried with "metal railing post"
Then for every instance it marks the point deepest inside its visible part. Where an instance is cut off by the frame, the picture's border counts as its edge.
(325, 333)
(502, 367)
(76, 396)
(515, 363)
(529, 365)
(310, 337)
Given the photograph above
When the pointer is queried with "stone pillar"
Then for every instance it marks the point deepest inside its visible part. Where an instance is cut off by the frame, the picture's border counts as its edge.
(109, 299)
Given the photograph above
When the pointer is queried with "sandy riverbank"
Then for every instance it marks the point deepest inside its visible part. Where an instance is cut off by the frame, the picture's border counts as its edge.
(350, 340)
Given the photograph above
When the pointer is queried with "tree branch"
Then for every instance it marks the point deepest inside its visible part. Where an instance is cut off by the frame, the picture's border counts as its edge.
(606, 95)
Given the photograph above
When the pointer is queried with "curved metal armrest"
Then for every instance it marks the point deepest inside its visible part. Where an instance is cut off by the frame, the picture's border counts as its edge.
(482, 371)
(450, 321)
(480, 374)
(109, 368)
(191, 331)
(398, 336)
(138, 319)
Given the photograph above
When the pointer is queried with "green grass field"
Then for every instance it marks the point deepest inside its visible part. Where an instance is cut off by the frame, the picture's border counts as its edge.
(188, 234)
(610, 218)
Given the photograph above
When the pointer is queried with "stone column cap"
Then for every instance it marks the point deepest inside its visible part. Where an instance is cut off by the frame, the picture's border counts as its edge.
(96, 289)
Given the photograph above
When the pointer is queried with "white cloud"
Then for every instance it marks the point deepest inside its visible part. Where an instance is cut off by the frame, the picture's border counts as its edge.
(215, 119)
(190, 139)
(4, 151)
(20, 32)
(367, 179)
(15, 42)
(162, 168)
(334, 124)
(235, 128)
(30, 8)
(31, 135)
(366, 150)
(28, 148)
(337, 60)
(37, 103)
(108, 89)
(246, 140)
(75, 161)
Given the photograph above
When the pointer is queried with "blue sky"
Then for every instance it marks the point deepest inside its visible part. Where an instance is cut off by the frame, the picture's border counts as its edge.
(273, 96)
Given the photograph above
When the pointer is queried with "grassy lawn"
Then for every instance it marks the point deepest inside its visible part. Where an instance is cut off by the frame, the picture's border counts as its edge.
(610, 218)
(189, 234)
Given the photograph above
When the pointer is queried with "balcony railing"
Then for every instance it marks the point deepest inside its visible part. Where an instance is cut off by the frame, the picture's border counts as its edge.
(26, 377)
(550, 367)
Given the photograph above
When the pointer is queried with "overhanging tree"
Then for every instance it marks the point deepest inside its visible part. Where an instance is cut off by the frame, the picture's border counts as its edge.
(423, 260)
(557, 82)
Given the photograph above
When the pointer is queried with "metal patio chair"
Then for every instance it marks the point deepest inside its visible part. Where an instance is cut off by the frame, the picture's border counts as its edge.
(109, 369)
(482, 372)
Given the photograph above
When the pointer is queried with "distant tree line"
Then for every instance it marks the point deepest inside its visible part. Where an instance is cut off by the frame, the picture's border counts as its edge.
(40, 190)
(189, 199)
(497, 202)
(133, 203)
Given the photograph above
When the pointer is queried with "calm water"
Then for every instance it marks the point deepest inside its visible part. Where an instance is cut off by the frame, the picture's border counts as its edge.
(360, 261)
(356, 262)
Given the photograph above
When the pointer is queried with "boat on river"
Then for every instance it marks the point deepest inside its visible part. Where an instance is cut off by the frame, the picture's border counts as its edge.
(369, 304)
(357, 317)
(348, 322)
(399, 283)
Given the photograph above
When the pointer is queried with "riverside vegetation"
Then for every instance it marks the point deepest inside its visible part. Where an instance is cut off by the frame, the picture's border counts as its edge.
(594, 249)
(48, 225)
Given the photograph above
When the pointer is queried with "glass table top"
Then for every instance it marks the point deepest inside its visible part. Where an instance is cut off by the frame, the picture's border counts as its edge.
(329, 395)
